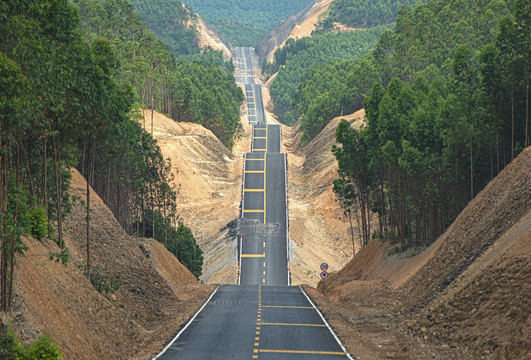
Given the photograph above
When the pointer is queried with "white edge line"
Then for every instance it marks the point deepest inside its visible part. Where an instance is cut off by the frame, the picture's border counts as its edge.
(188, 324)
(243, 183)
(327, 325)
(240, 262)
(286, 201)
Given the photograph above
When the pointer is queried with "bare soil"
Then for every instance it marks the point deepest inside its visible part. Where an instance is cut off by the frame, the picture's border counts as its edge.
(208, 180)
(156, 297)
(318, 227)
(465, 297)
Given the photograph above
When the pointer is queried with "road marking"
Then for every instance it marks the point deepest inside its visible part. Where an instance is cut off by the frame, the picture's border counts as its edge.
(264, 243)
(253, 190)
(287, 307)
(253, 255)
(302, 352)
(265, 182)
(264, 272)
(260, 137)
(265, 150)
(187, 324)
(255, 171)
(261, 159)
(253, 211)
(290, 324)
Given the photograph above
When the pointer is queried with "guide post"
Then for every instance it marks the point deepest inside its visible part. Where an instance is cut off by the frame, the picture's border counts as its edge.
(324, 275)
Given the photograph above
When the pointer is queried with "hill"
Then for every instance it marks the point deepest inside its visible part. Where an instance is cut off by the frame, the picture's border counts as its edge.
(208, 180)
(318, 227)
(244, 22)
(156, 296)
(463, 297)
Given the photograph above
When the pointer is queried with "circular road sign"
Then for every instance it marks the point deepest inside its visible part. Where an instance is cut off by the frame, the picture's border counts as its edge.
(324, 275)
(324, 266)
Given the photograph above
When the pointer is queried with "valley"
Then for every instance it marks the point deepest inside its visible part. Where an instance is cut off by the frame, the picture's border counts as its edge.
(166, 194)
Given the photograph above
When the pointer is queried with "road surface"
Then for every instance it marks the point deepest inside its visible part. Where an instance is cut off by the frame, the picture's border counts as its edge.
(262, 317)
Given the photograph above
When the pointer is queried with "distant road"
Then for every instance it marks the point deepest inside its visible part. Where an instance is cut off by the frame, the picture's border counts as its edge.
(263, 317)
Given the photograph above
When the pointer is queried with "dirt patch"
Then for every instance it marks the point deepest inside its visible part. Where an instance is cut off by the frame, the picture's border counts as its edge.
(208, 179)
(144, 313)
(210, 38)
(465, 297)
(318, 227)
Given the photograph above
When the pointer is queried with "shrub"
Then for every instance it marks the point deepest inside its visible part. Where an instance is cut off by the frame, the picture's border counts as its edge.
(38, 222)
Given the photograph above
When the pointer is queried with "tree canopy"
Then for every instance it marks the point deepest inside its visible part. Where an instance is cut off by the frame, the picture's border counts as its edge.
(244, 22)
(449, 109)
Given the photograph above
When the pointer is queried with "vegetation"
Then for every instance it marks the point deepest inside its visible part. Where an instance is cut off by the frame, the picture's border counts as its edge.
(244, 22)
(199, 88)
(449, 110)
(12, 349)
(66, 100)
(296, 58)
(168, 20)
(178, 239)
(365, 13)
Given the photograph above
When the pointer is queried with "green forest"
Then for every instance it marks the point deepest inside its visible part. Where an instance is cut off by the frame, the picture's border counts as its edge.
(365, 13)
(294, 61)
(245, 22)
(197, 88)
(449, 110)
(168, 20)
(72, 75)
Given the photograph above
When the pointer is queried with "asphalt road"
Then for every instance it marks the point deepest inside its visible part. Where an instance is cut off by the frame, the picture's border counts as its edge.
(256, 322)
(262, 317)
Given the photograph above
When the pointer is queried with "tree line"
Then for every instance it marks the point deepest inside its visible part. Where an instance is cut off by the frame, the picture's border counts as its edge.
(65, 103)
(312, 66)
(449, 110)
(364, 13)
(197, 88)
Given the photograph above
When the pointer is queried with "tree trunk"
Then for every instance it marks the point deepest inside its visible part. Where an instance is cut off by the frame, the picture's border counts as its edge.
(58, 188)
(89, 159)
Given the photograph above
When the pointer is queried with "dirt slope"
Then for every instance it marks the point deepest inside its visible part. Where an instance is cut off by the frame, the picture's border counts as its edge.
(208, 181)
(145, 312)
(466, 296)
(209, 37)
(296, 26)
(317, 224)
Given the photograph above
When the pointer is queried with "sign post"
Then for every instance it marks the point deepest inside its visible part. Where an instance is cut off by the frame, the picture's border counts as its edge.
(324, 275)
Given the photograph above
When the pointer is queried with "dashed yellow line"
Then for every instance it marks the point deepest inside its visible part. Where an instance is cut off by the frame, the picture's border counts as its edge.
(288, 307)
(301, 352)
(291, 324)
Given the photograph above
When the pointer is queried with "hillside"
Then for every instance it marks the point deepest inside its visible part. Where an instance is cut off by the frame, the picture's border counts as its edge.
(156, 296)
(318, 228)
(208, 179)
(466, 296)
(244, 22)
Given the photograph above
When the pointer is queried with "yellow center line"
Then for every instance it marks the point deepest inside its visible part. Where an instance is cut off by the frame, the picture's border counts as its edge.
(288, 307)
(302, 352)
(253, 255)
(290, 324)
